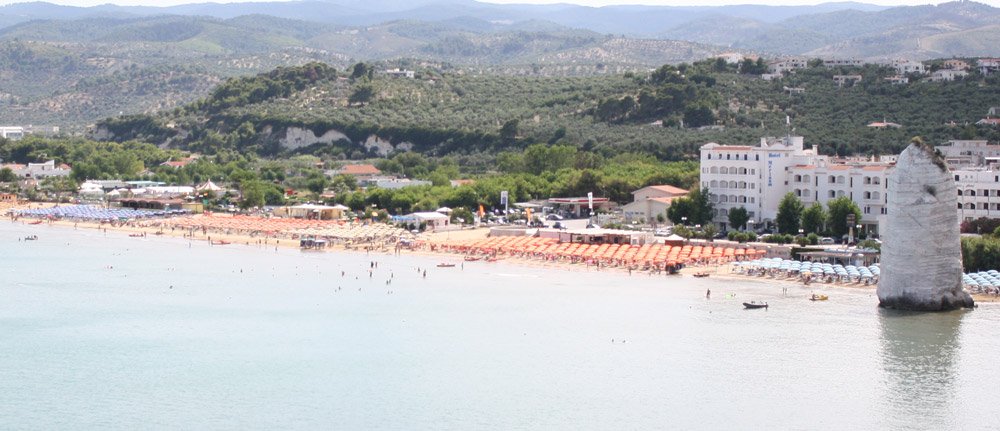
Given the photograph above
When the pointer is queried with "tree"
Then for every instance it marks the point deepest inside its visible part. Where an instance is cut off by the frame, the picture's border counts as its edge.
(510, 129)
(317, 184)
(362, 94)
(253, 194)
(696, 208)
(7, 175)
(789, 214)
(813, 217)
(738, 218)
(837, 211)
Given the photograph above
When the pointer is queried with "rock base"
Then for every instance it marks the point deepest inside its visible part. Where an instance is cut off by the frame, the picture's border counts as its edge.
(947, 302)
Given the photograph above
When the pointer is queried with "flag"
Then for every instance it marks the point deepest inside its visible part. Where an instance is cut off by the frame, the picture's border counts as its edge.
(481, 212)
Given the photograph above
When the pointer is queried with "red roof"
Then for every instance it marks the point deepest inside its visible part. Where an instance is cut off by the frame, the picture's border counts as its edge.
(179, 164)
(873, 168)
(838, 168)
(360, 170)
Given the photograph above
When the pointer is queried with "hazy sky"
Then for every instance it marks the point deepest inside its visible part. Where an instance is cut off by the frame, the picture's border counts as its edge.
(995, 3)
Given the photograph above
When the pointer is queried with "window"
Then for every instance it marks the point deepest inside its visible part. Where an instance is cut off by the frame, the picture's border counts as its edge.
(875, 195)
(714, 184)
(715, 170)
(840, 193)
(959, 205)
(752, 200)
(745, 157)
(728, 156)
(753, 186)
(832, 179)
(868, 195)
(960, 192)
(956, 177)
(805, 178)
(709, 156)
(970, 192)
(885, 211)
(868, 180)
(798, 178)
(876, 180)
(732, 184)
(840, 180)
(833, 194)
(868, 210)
(757, 157)
(798, 192)
(753, 172)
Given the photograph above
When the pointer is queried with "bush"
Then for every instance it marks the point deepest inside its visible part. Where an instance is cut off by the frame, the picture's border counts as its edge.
(751, 236)
(813, 239)
(741, 237)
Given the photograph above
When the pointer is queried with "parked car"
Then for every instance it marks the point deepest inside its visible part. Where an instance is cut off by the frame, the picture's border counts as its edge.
(559, 225)
(826, 240)
(554, 217)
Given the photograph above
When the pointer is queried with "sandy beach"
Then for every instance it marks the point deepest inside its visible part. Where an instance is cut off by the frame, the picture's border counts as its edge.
(224, 238)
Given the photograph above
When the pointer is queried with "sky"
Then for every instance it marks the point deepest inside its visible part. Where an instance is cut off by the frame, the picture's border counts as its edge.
(995, 3)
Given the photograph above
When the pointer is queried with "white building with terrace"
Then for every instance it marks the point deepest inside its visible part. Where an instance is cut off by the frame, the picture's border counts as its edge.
(758, 177)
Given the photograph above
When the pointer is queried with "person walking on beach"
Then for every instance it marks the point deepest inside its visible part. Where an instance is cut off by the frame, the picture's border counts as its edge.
(708, 293)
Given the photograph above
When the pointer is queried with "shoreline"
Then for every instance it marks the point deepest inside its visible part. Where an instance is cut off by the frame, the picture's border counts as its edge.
(262, 240)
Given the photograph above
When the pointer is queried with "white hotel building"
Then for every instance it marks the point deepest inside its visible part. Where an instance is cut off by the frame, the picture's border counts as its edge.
(758, 177)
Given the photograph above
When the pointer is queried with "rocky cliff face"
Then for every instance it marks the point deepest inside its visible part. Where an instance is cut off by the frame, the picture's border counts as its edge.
(921, 249)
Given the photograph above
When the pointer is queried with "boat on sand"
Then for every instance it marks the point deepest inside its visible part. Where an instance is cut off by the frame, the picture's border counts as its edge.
(816, 297)
(753, 305)
(446, 265)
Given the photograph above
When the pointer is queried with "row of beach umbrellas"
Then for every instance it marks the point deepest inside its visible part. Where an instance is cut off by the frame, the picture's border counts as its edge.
(94, 212)
(814, 268)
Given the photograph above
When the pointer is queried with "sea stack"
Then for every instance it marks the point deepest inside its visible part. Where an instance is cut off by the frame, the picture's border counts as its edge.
(921, 249)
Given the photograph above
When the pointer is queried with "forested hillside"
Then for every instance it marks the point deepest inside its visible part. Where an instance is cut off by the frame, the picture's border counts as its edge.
(667, 113)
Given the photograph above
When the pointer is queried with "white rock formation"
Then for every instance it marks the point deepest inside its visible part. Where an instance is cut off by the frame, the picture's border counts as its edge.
(921, 249)
(297, 137)
(383, 147)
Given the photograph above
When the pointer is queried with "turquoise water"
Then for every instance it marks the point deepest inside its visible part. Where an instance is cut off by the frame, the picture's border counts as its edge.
(179, 335)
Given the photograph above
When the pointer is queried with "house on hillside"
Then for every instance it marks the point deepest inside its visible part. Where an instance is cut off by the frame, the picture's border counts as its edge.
(988, 65)
(361, 172)
(838, 62)
(731, 57)
(897, 80)
(40, 171)
(786, 65)
(13, 133)
(884, 125)
(989, 122)
(946, 75)
(848, 80)
(955, 64)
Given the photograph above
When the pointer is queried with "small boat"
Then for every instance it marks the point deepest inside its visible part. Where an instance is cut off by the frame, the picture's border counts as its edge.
(446, 265)
(136, 235)
(752, 305)
(221, 243)
(816, 297)
(494, 259)
(700, 275)
(37, 222)
(471, 258)
(31, 238)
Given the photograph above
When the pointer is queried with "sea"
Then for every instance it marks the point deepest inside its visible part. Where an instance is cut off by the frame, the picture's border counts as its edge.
(102, 331)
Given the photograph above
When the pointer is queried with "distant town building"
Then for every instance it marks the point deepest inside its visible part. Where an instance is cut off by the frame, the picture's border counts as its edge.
(400, 73)
(731, 57)
(967, 153)
(896, 80)
(955, 64)
(988, 65)
(13, 133)
(838, 62)
(903, 66)
(946, 75)
(38, 171)
(786, 65)
(848, 80)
